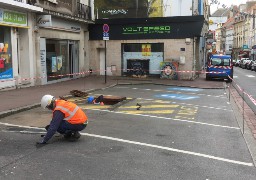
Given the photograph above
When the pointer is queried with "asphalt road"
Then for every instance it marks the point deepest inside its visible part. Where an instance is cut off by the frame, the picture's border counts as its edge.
(178, 133)
(246, 79)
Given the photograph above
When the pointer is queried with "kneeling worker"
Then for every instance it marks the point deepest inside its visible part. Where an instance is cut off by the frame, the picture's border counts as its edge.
(67, 119)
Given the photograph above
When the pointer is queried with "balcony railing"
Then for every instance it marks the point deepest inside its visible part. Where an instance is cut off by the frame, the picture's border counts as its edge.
(84, 11)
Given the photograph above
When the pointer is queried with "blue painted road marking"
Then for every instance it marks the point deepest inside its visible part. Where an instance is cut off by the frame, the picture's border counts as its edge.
(176, 96)
(185, 89)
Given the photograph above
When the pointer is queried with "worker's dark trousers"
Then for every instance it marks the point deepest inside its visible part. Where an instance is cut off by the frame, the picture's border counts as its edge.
(65, 126)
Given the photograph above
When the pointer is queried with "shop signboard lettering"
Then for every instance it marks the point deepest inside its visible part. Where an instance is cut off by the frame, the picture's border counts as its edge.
(50, 22)
(147, 30)
(44, 21)
(21, 1)
(13, 18)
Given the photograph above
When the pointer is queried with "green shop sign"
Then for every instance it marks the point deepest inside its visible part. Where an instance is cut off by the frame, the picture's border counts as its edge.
(13, 18)
(147, 30)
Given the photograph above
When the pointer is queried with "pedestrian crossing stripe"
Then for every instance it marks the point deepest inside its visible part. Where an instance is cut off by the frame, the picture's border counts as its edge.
(151, 106)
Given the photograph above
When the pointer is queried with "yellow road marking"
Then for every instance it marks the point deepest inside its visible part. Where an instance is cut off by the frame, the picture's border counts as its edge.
(77, 99)
(149, 112)
(96, 106)
(152, 106)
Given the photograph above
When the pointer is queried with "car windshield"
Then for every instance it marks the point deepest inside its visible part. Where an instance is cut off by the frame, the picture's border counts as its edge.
(220, 62)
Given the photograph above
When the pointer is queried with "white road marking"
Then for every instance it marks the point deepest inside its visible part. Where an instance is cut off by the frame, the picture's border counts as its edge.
(150, 145)
(14, 125)
(250, 75)
(167, 102)
(173, 91)
(170, 149)
(172, 119)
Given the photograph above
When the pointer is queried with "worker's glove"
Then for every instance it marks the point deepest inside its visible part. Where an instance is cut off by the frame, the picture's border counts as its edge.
(40, 144)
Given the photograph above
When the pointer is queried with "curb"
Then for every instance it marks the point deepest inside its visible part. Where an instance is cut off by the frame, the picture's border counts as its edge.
(4, 114)
(18, 110)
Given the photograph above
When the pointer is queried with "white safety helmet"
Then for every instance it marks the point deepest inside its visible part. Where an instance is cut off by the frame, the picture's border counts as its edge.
(46, 100)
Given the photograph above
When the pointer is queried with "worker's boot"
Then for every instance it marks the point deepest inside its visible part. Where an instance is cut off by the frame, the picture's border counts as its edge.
(72, 135)
(76, 135)
(67, 134)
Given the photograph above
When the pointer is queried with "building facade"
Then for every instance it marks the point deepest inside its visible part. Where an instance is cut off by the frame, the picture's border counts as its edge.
(50, 45)
(17, 43)
(145, 46)
(62, 40)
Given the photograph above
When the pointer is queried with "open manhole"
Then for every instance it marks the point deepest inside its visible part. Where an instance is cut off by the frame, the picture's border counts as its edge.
(107, 100)
(112, 100)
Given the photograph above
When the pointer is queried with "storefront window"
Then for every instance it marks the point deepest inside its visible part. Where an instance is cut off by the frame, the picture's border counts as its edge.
(6, 70)
(57, 61)
(140, 59)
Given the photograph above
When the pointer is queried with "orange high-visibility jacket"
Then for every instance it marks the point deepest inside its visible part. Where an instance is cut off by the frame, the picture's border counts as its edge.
(73, 113)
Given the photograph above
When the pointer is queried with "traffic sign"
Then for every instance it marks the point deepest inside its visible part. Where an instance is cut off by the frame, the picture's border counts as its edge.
(105, 32)
(105, 28)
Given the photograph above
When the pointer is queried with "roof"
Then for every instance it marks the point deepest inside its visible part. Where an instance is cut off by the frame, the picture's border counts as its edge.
(229, 23)
(221, 12)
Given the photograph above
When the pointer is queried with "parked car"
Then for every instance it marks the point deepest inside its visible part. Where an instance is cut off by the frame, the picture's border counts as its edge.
(237, 62)
(241, 62)
(253, 66)
(234, 62)
(245, 59)
(244, 64)
(249, 64)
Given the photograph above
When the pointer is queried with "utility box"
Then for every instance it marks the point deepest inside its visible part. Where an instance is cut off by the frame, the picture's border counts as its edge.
(182, 59)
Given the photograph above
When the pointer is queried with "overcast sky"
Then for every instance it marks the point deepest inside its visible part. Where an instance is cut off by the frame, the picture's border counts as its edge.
(228, 3)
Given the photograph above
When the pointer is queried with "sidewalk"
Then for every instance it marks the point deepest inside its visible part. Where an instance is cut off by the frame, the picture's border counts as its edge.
(18, 99)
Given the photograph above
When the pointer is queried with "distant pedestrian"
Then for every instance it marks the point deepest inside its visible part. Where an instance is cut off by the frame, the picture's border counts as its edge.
(68, 119)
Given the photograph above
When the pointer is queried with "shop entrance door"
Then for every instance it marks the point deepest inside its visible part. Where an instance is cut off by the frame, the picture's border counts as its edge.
(74, 58)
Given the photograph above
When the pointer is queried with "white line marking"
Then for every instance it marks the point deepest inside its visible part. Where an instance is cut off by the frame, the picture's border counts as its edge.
(166, 102)
(172, 91)
(14, 125)
(250, 75)
(151, 145)
(25, 132)
(171, 149)
(173, 119)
